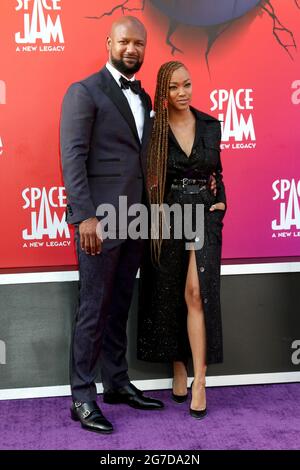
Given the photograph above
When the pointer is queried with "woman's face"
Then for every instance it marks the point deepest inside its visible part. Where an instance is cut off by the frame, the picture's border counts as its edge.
(180, 90)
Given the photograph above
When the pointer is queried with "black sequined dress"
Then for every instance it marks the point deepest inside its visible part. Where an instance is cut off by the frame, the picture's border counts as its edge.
(162, 317)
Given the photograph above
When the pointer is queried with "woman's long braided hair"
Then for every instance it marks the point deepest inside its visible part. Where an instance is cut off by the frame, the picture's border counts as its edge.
(158, 149)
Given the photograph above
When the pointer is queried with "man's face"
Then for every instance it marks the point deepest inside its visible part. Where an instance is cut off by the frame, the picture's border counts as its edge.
(126, 47)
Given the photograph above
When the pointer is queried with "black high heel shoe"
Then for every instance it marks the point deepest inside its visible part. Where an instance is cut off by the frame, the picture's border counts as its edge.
(198, 414)
(180, 398)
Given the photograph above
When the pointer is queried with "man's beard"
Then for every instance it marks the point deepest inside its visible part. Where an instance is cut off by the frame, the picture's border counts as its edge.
(124, 69)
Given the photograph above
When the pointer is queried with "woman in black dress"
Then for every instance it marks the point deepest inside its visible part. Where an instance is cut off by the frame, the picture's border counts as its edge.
(179, 302)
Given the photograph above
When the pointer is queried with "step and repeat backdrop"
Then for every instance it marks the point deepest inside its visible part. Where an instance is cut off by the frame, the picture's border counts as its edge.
(245, 65)
(244, 60)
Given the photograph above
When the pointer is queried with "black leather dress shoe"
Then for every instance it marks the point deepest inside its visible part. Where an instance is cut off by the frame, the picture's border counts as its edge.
(132, 396)
(91, 417)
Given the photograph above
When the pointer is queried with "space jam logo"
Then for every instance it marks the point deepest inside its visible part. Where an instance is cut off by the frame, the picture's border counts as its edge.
(235, 113)
(41, 25)
(287, 193)
(47, 220)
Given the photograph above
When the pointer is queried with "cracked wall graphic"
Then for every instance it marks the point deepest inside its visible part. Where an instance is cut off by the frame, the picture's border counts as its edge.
(211, 16)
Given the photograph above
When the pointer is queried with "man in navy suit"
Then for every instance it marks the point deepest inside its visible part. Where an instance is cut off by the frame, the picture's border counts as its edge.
(105, 126)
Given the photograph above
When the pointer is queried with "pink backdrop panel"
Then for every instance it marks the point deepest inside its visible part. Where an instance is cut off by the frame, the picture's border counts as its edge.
(244, 71)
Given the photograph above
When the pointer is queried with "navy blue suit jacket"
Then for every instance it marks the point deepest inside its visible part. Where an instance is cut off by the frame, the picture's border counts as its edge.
(102, 156)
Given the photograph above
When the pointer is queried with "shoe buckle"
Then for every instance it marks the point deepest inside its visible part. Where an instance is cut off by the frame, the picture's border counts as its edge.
(86, 413)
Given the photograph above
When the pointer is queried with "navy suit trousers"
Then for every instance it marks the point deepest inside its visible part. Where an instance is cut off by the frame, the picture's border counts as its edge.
(99, 334)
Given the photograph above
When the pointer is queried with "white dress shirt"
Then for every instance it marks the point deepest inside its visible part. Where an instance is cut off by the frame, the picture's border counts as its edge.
(133, 99)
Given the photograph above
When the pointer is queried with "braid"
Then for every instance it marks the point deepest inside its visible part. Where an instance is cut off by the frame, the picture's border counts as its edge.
(158, 148)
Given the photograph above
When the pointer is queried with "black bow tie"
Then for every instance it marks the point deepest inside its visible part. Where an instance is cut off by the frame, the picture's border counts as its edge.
(134, 85)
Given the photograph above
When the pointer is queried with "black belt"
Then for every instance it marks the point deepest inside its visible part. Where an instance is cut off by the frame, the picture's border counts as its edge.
(190, 185)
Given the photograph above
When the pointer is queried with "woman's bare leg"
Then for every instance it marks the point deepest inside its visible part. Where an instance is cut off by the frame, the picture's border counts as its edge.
(180, 378)
(196, 333)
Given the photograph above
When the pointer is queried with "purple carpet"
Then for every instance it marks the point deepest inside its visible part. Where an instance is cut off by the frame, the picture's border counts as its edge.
(245, 417)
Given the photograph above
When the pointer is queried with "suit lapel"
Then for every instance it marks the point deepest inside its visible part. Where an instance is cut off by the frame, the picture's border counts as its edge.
(147, 121)
(114, 92)
(146, 101)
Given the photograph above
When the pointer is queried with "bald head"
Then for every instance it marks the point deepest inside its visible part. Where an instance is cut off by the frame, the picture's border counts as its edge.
(131, 22)
(126, 45)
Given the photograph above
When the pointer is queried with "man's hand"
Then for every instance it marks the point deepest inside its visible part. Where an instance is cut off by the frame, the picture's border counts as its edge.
(89, 240)
(218, 206)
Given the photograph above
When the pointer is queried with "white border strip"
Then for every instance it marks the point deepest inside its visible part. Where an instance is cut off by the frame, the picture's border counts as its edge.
(34, 278)
(226, 270)
(260, 268)
(157, 384)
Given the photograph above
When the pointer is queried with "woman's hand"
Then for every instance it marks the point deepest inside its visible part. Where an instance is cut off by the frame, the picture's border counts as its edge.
(213, 184)
(218, 206)
(152, 182)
